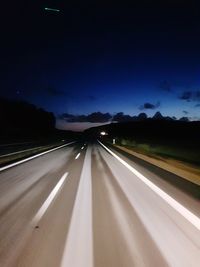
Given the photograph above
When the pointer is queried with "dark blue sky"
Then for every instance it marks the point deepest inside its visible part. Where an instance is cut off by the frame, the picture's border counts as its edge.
(103, 57)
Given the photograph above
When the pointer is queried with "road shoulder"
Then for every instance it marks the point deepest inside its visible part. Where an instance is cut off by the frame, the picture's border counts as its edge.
(179, 168)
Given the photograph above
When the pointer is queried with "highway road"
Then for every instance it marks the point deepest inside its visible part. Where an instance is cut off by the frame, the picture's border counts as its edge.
(84, 205)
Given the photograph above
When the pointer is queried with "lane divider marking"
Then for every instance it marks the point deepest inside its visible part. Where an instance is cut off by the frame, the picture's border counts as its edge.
(32, 157)
(49, 200)
(77, 156)
(188, 215)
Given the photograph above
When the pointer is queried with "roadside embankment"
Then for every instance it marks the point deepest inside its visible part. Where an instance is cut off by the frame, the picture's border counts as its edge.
(182, 169)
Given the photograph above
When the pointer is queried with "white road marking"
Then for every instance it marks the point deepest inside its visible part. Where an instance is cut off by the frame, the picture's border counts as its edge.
(188, 215)
(78, 251)
(32, 157)
(77, 156)
(82, 147)
(49, 200)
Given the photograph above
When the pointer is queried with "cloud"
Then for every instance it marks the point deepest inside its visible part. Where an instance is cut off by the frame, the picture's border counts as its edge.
(185, 112)
(68, 117)
(190, 96)
(184, 119)
(95, 117)
(121, 117)
(165, 86)
(99, 117)
(197, 106)
(195, 118)
(81, 122)
(148, 105)
(54, 91)
(187, 95)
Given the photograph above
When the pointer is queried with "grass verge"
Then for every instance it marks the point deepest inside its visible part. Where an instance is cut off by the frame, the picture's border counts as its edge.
(186, 170)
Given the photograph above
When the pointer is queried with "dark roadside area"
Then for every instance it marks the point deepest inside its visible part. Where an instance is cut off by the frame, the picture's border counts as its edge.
(27, 130)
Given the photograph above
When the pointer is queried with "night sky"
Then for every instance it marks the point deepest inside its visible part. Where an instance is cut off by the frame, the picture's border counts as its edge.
(102, 56)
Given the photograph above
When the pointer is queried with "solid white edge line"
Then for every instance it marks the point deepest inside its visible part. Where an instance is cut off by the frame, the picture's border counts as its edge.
(48, 201)
(32, 157)
(77, 156)
(188, 215)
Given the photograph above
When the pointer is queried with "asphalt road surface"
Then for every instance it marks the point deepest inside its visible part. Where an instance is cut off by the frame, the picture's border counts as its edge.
(87, 206)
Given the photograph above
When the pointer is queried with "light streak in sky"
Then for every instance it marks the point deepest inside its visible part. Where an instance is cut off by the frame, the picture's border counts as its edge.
(52, 9)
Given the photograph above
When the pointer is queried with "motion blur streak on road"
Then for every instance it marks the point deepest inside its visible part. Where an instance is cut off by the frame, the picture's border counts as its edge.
(101, 216)
(192, 218)
(78, 249)
(176, 239)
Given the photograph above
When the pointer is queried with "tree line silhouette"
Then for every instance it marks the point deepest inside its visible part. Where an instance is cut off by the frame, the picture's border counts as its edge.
(24, 119)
